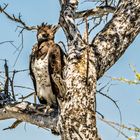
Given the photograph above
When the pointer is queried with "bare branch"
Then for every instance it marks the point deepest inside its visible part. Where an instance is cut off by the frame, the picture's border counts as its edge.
(14, 125)
(12, 85)
(98, 11)
(28, 112)
(117, 127)
(25, 87)
(115, 103)
(25, 97)
(18, 20)
(114, 127)
(2, 9)
(6, 85)
(17, 71)
(21, 47)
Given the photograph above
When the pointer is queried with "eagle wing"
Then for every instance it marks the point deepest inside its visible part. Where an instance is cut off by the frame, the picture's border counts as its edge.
(56, 63)
(31, 62)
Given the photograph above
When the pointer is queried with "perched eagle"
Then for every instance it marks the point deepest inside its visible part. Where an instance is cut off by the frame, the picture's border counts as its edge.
(46, 59)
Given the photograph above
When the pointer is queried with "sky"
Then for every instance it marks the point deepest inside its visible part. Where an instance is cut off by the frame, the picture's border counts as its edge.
(36, 12)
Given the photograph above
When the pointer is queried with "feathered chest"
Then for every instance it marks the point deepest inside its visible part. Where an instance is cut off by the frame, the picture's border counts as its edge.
(40, 69)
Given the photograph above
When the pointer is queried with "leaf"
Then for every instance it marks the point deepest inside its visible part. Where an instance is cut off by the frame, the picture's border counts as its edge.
(138, 76)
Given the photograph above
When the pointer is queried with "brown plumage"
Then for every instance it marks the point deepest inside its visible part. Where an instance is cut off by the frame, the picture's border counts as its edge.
(46, 59)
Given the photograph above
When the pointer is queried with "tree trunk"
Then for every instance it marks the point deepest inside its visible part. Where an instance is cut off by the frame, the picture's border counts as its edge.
(77, 120)
(87, 63)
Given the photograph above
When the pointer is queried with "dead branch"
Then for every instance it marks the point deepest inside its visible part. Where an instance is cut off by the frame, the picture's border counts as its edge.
(117, 127)
(24, 87)
(14, 125)
(115, 103)
(21, 48)
(12, 85)
(11, 42)
(17, 19)
(16, 71)
(2, 9)
(98, 11)
(6, 85)
(114, 127)
(28, 112)
(134, 129)
(25, 97)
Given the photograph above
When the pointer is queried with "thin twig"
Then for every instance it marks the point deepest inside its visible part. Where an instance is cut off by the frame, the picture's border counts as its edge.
(22, 46)
(17, 86)
(114, 127)
(18, 20)
(2, 9)
(17, 71)
(113, 102)
(6, 78)
(12, 85)
(25, 97)
(14, 125)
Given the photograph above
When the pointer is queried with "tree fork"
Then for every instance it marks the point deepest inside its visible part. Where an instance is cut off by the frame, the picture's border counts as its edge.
(77, 120)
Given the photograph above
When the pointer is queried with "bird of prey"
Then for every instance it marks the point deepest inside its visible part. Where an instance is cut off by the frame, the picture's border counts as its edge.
(46, 59)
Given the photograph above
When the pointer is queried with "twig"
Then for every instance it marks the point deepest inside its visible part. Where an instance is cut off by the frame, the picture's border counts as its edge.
(3, 42)
(14, 125)
(15, 70)
(12, 85)
(18, 20)
(22, 45)
(25, 97)
(113, 102)
(17, 86)
(113, 126)
(96, 24)
(11, 42)
(6, 78)
(2, 9)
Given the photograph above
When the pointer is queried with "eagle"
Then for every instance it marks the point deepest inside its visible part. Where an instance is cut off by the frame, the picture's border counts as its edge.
(46, 59)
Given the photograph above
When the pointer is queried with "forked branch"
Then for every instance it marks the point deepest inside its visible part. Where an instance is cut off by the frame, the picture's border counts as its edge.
(17, 19)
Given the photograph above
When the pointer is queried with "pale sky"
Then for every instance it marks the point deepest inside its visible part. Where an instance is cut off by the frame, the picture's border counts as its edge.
(36, 12)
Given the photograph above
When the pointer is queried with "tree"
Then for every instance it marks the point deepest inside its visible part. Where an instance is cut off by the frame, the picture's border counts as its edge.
(86, 63)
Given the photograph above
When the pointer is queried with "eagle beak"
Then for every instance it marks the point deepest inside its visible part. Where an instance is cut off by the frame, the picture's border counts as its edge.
(39, 36)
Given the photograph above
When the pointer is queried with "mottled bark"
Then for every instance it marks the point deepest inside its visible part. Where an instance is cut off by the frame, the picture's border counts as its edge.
(97, 12)
(30, 113)
(78, 111)
(77, 120)
(110, 44)
(84, 66)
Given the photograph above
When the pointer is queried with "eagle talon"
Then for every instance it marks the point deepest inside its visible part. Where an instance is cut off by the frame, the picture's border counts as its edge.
(48, 109)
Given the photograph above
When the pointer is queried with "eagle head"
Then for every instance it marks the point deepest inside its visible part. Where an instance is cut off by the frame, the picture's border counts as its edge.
(46, 32)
